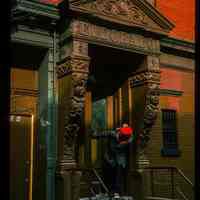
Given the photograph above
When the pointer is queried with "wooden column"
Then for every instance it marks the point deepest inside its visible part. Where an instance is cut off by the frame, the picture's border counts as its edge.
(87, 124)
(144, 85)
(125, 105)
(72, 77)
(109, 112)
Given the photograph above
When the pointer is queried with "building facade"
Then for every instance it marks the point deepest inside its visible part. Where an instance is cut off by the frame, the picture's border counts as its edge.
(79, 65)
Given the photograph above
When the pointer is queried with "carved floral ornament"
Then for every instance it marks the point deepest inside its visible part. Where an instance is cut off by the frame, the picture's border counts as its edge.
(145, 77)
(73, 64)
(121, 9)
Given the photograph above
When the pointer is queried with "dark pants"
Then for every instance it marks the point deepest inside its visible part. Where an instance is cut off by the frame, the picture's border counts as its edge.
(119, 180)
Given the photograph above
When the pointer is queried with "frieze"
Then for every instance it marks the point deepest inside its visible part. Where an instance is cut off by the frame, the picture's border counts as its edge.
(123, 39)
(121, 9)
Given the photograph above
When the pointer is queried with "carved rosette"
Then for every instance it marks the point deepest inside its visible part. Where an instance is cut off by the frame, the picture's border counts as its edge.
(150, 80)
(77, 68)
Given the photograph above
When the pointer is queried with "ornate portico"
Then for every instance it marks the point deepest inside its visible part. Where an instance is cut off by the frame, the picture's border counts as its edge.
(129, 25)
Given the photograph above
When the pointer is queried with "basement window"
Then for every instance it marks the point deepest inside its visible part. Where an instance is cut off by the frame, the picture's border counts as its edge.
(169, 132)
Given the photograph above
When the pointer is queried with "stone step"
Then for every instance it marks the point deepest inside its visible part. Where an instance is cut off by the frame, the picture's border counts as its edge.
(158, 198)
(101, 197)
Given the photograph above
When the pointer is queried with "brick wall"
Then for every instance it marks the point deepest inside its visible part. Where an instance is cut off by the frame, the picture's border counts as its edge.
(184, 105)
(182, 14)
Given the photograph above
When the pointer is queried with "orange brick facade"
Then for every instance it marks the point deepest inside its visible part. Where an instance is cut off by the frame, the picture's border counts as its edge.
(182, 14)
(184, 105)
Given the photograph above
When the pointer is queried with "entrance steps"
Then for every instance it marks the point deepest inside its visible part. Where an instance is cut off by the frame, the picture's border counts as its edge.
(103, 197)
(159, 198)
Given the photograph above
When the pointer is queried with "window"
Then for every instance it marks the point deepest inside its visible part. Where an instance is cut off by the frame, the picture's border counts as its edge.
(169, 130)
(99, 114)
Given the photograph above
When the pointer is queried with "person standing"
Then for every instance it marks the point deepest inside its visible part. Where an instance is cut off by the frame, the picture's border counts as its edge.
(116, 157)
(124, 138)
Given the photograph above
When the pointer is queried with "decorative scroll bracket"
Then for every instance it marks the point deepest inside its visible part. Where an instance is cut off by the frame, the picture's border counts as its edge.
(72, 74)
(145, 83)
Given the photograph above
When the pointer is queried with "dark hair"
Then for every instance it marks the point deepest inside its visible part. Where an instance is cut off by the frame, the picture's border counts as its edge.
(125, 122)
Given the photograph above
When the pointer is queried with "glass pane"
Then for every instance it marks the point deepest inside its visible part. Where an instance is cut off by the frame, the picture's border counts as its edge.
(99, 114)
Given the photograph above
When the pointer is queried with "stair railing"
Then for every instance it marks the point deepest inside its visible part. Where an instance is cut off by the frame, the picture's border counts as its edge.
(93, 178)
(189, 183)
(167, 182)
(100, 181)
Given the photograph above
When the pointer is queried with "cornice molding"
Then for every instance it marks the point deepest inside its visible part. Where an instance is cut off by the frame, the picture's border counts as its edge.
(38, 8)
(177, 44)
(167, 92)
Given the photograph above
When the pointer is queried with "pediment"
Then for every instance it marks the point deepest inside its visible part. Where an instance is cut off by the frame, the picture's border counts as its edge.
(134, 13)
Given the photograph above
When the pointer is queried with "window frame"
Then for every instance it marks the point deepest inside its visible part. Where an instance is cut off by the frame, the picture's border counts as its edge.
(169, 133)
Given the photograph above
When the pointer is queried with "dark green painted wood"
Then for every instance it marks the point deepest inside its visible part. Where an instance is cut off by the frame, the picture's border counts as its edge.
(48, 125)
(52, 130)
(38, 8)
(43, 128)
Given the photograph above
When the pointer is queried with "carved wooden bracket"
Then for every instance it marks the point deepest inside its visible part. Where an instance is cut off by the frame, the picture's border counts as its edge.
(74, 70)
(73, 64)
(150, 81)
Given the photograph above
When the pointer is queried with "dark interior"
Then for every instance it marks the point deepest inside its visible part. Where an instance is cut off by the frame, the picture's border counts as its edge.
(26, 56)
(109, 68)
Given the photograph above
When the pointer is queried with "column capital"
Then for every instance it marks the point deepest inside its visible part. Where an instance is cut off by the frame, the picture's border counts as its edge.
(73, 63)
(145, 77)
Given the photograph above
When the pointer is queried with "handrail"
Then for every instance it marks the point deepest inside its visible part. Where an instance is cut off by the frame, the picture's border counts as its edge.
(100, 180)
(179, 172)
(97, 176)
(186, 178)
(177, 169)
(181, 193)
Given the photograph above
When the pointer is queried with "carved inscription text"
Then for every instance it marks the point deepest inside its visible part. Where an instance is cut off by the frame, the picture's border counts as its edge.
(114, 37)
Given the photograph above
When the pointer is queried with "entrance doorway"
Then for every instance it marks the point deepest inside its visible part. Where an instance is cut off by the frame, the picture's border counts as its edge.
(108, 98)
